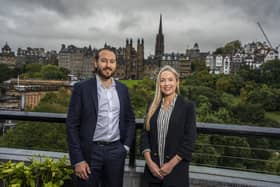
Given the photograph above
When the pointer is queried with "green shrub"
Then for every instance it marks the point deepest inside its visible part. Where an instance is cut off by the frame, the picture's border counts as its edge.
(45, 172)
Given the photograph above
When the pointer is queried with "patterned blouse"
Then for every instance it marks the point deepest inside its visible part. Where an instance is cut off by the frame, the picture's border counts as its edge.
(162, 127)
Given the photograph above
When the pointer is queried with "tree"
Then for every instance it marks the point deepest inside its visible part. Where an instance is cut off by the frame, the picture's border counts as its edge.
(229, 100)
(203, 108)
(6, 73)
(270, 73)
(198, 65)
(229, 84)
(32, 71)
(32, 68)
(48, 72)
(246, 89)
(56, 102)
(248, 74)
(204, 152)
(194, 92)
(273, 164)
(41, 136)
(260, 149)
(35, 135)
(265, 96)
(219, 50)
(224, 115)
(64, 70)
(141, 94)
(52, 72)
(201, 78)
(233, 150)
(249, 113)
(230, 48)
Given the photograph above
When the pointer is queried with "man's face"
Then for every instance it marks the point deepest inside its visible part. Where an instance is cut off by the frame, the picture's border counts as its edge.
(106, 64)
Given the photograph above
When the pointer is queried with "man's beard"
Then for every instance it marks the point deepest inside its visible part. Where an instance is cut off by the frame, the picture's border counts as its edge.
(104, 76)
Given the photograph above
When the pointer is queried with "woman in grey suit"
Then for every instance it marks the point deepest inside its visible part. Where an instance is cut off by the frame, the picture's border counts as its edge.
(169, 134)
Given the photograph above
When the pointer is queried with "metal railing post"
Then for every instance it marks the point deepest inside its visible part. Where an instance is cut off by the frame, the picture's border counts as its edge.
(132, 154)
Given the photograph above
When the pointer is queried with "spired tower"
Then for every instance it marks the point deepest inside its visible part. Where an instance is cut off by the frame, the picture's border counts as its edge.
(128, 58)
(140, 58)
(159, 49)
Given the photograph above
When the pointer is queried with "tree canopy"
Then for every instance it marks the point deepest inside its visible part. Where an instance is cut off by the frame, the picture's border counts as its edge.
(229, 48)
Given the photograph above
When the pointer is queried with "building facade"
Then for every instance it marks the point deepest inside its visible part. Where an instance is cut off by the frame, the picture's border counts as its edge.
(131, 61)
(78, 61)
(252, 55)
(7, 56)
(31, 55)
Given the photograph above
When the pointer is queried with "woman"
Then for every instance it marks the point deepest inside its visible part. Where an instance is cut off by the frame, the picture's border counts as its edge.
(169, 134)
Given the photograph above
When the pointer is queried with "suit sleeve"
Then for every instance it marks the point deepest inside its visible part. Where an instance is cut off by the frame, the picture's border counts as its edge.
(187, 146)
(73, 126)
(145, 140)
(130, 121)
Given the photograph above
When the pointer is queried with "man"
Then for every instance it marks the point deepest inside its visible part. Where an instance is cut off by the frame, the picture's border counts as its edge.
(100, 125)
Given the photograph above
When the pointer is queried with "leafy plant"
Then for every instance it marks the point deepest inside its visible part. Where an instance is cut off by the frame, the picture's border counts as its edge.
(45, 172)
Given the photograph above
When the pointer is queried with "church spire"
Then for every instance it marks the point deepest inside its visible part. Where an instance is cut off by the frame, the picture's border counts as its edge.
(160, 25)
(159, 48)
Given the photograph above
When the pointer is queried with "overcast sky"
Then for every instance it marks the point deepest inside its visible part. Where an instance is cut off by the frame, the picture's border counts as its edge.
(210, 23)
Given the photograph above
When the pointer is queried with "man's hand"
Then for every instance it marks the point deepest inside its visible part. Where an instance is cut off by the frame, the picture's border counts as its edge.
(82, 170)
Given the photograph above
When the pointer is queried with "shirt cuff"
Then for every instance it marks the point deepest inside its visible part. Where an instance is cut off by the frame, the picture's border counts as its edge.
(146, 150)
(126, 148)
(79, 163)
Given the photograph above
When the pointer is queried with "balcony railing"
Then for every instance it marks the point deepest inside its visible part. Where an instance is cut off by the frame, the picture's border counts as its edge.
(202, 128)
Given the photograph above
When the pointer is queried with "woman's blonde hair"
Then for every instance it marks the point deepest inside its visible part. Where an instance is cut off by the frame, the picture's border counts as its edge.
(158, 95)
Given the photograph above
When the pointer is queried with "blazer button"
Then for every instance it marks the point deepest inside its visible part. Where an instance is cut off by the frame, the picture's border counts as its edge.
(155, 154)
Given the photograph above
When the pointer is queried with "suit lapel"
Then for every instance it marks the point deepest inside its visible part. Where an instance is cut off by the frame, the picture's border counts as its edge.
(94, 94)
(172, 119)
(153, 122)
(174, 112)
(120, 95)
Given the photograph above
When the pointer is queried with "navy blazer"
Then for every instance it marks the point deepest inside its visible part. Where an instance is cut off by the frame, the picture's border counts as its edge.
(180, 139)
(82, 117)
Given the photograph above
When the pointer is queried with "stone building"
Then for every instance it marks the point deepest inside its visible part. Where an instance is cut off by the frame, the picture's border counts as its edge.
(178, 61)
(133, 59)
(221, 64)
(7, 56)
(252, 55)
(130, 59)
(77, 60)
(30, 55)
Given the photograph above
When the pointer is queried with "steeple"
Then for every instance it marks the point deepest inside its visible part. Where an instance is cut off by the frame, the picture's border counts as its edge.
(160, 25)
(159, 48)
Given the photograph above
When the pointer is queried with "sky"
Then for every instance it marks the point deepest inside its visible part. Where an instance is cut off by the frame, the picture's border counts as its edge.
(210, 23)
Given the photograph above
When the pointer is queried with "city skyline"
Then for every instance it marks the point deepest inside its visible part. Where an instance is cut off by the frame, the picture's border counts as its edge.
(48, 24)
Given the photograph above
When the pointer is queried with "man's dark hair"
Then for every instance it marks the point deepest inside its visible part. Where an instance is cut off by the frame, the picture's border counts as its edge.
(96, 56)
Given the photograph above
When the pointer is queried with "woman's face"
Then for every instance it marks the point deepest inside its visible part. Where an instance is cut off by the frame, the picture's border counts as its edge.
(168, 83)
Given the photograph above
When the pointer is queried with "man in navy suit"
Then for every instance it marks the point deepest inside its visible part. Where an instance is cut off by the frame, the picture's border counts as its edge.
(100, 125)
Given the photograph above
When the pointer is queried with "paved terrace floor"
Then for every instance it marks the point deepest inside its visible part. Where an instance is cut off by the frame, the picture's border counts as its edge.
(200, 176)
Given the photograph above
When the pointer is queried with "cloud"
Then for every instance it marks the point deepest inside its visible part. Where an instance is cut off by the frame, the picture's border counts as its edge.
(49, 23)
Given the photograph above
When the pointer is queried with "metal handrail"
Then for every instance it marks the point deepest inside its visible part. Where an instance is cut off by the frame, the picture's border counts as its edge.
(205, 128)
